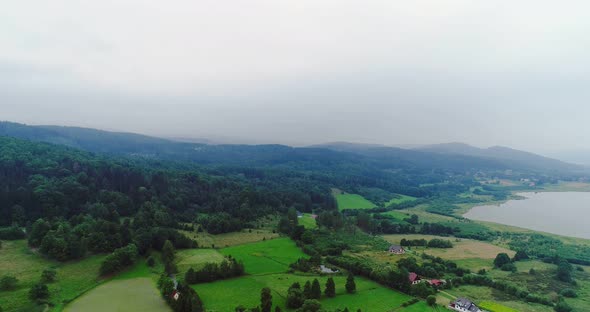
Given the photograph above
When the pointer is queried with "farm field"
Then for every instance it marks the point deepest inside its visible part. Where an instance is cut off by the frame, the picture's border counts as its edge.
(462, 248)
(351, 201)
(483, 294)
(495, 307)
(135, 294)
(196, 258)
(266, 265)
(73, 278)
(370, 296)
(399, 199)
(397, 214)
(271, 256)
(245, 236)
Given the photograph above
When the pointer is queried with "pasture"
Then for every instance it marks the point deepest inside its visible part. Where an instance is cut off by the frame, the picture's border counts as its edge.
(351, 201)
(399, 199)
(482, 294)
(73, 278)
(136, 294)
(307, 221)
(462, 248)
(397, 214)
(495, 307)
(270, 256)
(370, 296)
(196, 258)
(245, 236)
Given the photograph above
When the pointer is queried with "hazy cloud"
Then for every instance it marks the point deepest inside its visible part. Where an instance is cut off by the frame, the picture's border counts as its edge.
(307, 71)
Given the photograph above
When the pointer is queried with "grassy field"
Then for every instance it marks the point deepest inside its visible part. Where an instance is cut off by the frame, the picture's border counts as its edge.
(307, 221)
(462, 248)
(73, 278)
(246, 236)
(271, 256)
(351, 201)
(135, 294)
(495, 307)
(221, 295)
(483, 294)
(267, 266)
(399, 199)
(397, 214)
(196, 258)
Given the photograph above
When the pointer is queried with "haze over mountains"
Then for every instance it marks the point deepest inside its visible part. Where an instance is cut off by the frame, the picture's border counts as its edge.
(444, 156)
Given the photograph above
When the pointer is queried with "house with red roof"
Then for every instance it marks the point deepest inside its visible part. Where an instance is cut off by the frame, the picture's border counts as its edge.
(414, 278)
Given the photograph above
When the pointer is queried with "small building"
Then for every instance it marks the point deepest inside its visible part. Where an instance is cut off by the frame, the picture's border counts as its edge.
(464, 305)
(314, 216)
(436, 282)
(175, 295)
(327, 270)
(397, 250)
(414, 278)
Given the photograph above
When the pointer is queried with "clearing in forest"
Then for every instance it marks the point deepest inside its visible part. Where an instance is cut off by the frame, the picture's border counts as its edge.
(270, 256)
(351, 201)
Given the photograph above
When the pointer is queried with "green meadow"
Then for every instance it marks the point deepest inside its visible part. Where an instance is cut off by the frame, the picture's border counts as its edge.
(270, 256)
(226, 295)
(307, 221)
(267, 265)
(399, 199)
(196, 258)
(351, 201)
(73, 278)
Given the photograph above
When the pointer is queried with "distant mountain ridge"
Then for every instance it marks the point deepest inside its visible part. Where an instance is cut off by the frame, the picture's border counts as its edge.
(501, 153)
(371, 157)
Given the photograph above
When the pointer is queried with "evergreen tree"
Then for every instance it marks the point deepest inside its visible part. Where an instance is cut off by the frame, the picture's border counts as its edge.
(316, 290)
(307, 290)
(350, 284)
(295, 296)
(501, 259)
(265, 300)
(168, 255)
(311, 306)
(330, 288)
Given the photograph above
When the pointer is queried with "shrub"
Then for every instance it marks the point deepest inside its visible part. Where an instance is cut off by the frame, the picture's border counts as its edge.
(509, 267)
(562, 306)
(48, 276)
(151, 261)
(568, 292)
(431, 300)
(39, 292)
(8, 282)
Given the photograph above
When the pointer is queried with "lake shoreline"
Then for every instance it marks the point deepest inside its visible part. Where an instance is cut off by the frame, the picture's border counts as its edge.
(536, 211)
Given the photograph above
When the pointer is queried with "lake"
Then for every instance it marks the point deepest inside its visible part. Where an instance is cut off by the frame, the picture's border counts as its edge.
(563, 213)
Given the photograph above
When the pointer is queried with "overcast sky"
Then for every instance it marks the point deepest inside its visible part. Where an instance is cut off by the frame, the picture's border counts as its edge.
(514, 73)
